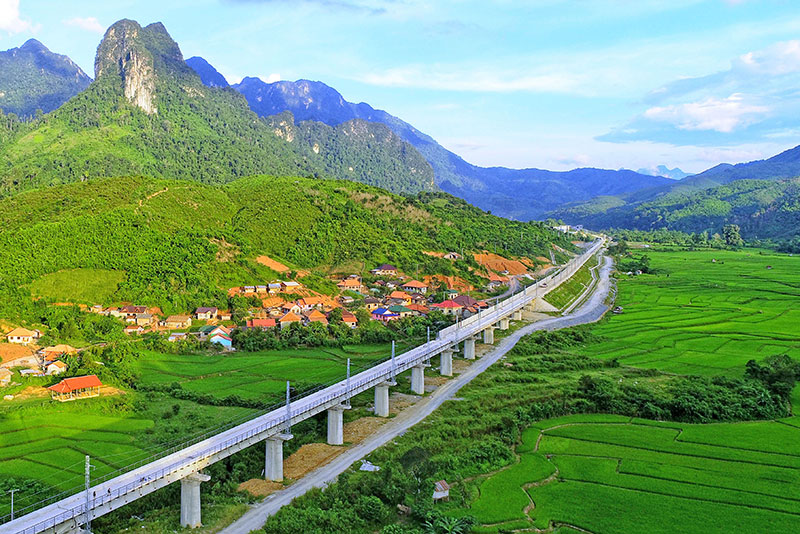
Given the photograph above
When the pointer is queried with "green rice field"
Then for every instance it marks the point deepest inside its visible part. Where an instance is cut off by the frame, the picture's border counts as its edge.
(700, 316)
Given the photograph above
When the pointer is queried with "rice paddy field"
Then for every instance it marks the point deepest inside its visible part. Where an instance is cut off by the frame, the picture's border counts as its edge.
(705, 312)
(43, 443)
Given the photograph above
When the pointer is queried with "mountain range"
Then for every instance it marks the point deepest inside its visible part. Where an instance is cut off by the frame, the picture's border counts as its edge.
(34, 78)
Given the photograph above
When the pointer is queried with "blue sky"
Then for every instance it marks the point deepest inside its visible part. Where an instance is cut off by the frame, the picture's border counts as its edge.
(541, 83)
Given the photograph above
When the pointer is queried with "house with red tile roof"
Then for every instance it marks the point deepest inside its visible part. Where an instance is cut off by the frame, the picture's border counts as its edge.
(415, 286)
(79, 387)
(448, 307)
(315, 316)
(289, 319)
(349, 319)
(261, 323)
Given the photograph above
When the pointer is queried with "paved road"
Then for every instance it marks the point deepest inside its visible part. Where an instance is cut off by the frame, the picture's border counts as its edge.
(592, 310)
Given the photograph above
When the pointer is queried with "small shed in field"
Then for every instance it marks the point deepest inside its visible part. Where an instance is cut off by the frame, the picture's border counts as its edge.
(441, 491)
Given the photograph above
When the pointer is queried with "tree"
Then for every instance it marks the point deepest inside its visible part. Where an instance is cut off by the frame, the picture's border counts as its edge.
(731, 232)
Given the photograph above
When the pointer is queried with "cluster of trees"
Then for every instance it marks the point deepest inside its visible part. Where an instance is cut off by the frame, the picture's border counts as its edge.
(730, 237)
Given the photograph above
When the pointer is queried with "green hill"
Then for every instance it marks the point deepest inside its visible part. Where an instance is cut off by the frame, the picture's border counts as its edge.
(180, 244)
(764, 209)
(148, 113)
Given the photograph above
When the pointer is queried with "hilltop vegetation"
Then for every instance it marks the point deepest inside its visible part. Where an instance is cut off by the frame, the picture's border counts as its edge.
(180, 244)
(148, 113)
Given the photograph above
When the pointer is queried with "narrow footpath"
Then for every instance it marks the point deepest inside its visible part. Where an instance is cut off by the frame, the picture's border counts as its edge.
(591, 311)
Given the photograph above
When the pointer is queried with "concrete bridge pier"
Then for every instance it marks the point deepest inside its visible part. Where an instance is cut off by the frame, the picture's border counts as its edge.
(504, 323)
(488, 336)
(190, 499)
(336, 424)
(516, 316)
(382, 398)
(273, 460)
(469, 348)
(446, 368)
(418, 379)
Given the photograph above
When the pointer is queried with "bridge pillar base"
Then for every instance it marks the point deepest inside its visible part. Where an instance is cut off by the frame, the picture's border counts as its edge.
(190, 499)
(504, 323)
(446, 368)
(336, 425)
(418, 379)
(382, 399)
(516, 316)
(273, 459)
(469, 348)
(488, 336)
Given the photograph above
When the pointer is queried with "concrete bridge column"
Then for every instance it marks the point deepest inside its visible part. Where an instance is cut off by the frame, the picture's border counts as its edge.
(336, 425)
(504, 323)
(446, 368)
(488, 335)
(382, 398)
(273, 460)
(190, 499)
(418, 379)
(516, 316)
(469, 348)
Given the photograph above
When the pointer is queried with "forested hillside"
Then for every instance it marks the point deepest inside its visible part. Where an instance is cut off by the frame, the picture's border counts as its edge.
(149, 113)
(34, 78)
(180, 244)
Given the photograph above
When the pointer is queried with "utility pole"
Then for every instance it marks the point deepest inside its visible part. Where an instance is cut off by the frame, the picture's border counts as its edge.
(12, 492)
(429, 334)
(288, 410)
(87, 476)
(393, 367)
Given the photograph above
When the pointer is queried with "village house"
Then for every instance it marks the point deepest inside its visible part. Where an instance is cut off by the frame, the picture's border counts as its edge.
(274, 288)
(384, 315)
(418, 309)
(205, 314)
(144, 319)
(132, 313)
(401, 296)
(5, 377)
(223, 340)
(288, 287)
(315, 316)
(345, 299)
(134, 329)
(441, 491)
(289, 319)
(451, 293)
(209, 331)
(30, 372)
(349, 319)
(79, 387)
(448, 307)
(415, 286)
(351, 283)
(400, 310)
(55, 368)
(263, 324)
(175, 322)
(311, 303)
(23, 336)
(177, 336)
(291, 307)
(53, 353)
(496, 281)
(225, 315)
(384, 270)
(452, 256)
(261, 290)
(371, 303)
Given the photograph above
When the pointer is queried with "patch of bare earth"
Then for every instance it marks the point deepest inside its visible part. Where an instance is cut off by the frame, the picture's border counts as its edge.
(11, 351)
(498, 263)
(309, 457)
(459, 365)
(360, 429)
(260, 488)
(31, 392)
(400, 401)
(273, 264)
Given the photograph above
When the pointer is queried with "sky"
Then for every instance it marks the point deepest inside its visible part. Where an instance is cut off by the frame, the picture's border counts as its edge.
(553, 84)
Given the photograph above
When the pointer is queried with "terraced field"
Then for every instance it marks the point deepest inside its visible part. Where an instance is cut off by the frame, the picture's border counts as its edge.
(700, 316)
(619, 475)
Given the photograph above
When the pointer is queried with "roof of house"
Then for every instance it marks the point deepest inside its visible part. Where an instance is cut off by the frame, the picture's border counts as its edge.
(291, 283)
(399, 295)
(399, 309)
(349, 317)
(290, 318)
(419, 308)
(371, 300)
(262, 323)
(133, 309)
(5, 372)
(350, 282)
(383, 312)
(206, 310)
(416, 284)
(134, 327)
(21, 332)
(60, 349)
(223, 336)
(310, 301)
(79, 382)
(178, 318)
(316, 316)
(465, 300)
(58, 363)
(441, 485)
(447, 304)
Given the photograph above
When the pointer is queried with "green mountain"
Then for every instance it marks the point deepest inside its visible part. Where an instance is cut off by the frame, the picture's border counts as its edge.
(148, 113)
(34, 78)
(181, 244)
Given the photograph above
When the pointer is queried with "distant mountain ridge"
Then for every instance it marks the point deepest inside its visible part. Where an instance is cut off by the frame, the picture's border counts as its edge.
(32, 78)
(666, 172)
(149, 113)
(520, 194)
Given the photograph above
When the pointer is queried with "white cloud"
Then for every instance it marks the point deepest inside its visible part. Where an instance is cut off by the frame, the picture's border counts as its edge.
(776, 60)
(721, 115)
(10, 21)
(90, 24)
(272, 78)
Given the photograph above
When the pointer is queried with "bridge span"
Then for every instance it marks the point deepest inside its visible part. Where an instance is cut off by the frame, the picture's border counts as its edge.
(68, 515)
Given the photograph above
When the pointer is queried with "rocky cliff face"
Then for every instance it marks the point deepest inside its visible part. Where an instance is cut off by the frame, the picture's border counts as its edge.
(126, 52)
